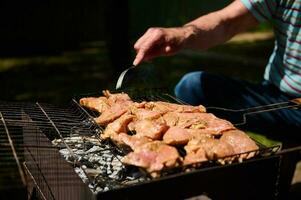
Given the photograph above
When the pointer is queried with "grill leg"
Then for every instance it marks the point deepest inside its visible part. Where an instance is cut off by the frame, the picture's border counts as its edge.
(287, 169)
(33, 194)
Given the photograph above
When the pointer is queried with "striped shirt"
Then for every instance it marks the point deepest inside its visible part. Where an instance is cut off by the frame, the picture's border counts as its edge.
(284, 67)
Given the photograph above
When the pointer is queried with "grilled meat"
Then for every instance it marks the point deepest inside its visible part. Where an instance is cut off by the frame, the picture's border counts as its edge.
(159, 124)
(117, 126)
(117, 97)
(114, 112)
(206, 149)
(206, 121)
(195, 155)
(176, 136)
(132, 141)
(181, 136)
(99, 104)
(231, 143)
(216, 149)
(111, 107)
(153, 156)
(142, 113)
(153, 129)
(184, 120)
(240, 142)
(164, 107)
(131, 126)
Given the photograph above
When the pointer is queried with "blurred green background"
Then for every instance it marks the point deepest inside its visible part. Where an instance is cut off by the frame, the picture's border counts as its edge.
(53, 50)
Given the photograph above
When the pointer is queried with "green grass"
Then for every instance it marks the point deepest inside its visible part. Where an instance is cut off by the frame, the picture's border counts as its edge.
(262, 139)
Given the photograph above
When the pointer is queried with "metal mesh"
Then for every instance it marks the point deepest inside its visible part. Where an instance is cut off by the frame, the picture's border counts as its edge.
(31, 132)
(43, 134)
(11, 173)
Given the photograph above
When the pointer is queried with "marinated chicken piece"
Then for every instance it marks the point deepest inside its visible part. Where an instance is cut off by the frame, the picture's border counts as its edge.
(181, 136)
(176, 136)
(120, 106)
(184, 120)
(153, 129)
(99, 104)
(240, 142)
(117, 126)
(116, 98)
(218, 125)
(131, 126)
(194, 156)
(153, 156)
(136, 105)
(213, 149)
(114, 112)
(165, 107)
(201, 133)
(132, 141)
(217, 149)
(142, 113)
(191, 120)
(198, 121)
(171, 118)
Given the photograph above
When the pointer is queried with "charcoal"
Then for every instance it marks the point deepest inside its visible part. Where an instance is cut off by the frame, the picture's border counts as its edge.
(98, 189)
(81, 174)
(92, 172)
(66, 154)
(94, 149)
(96, 163)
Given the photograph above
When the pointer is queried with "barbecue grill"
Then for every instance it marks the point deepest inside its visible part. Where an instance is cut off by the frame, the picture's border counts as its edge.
(57, 153)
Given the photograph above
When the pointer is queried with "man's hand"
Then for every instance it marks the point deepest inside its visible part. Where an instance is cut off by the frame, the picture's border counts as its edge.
(161, 42)
(202, 33)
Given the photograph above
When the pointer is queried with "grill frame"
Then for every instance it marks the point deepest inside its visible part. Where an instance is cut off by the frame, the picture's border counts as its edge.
(263, 178)
(258, 175)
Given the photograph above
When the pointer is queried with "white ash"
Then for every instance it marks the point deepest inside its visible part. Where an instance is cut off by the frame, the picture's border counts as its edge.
(81, 174)
(94, 149)
(93, 161)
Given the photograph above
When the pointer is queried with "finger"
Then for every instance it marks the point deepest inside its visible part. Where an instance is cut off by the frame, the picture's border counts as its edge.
(141, 40)
(146, 47)
(159, 51)
(139, 58)
(151, 38)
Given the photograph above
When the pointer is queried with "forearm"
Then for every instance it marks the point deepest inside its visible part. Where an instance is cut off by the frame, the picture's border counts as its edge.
(218, 27)
(202, 33)
(205, 32)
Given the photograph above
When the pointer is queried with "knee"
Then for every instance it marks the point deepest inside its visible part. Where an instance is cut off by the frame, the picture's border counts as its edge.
(189, 88)
(188, 81)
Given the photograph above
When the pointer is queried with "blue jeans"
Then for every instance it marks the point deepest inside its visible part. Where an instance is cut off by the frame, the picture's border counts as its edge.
(218, 91)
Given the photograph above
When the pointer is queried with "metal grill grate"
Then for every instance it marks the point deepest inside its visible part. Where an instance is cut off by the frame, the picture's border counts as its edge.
(11, 173)
(43, 133)
(31, 132)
